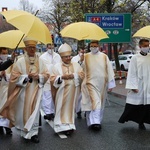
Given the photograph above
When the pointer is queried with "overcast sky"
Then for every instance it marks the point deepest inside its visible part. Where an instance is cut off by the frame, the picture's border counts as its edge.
(14, 4)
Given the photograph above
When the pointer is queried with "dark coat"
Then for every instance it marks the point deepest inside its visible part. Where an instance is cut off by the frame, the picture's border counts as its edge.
(5, 65)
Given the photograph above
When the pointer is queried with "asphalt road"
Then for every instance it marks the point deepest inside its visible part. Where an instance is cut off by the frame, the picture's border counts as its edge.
(113, 136)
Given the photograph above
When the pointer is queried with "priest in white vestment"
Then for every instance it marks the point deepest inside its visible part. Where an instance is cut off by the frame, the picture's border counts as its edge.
(79, 59)
(25, 90)
(99, 78)
(66, 80)
(137, 106)
(4, 81)
(50, 58)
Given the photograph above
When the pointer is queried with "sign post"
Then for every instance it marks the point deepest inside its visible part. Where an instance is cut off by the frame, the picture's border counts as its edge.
(116, 25)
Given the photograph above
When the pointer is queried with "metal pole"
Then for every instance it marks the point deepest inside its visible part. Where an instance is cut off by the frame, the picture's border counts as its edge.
(110, 51)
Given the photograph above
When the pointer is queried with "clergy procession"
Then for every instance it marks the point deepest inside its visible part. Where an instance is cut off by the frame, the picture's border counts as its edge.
(57, 87)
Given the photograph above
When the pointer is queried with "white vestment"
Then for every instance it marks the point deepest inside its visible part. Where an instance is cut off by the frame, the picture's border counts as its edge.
(67, 92)
(78, 104)
(99, 77)
(75, 58)
(3, 96)
(24, 96)
(139, 78)
(47, 100)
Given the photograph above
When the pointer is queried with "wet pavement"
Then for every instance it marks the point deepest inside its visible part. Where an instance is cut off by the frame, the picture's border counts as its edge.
(120, 90)
(113, 136)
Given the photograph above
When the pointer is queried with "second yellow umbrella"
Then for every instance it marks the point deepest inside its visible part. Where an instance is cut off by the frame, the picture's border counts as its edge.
(84, 31)
(11, 38)
(143, 32)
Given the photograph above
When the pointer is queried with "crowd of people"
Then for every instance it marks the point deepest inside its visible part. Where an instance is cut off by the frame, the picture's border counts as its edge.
(63, 86)
(56, 83)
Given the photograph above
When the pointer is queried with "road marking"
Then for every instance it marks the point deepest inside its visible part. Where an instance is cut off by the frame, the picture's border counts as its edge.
(51, 123)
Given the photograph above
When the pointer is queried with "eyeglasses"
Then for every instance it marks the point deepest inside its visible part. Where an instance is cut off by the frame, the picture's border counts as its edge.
(30, 48)
(66, 56)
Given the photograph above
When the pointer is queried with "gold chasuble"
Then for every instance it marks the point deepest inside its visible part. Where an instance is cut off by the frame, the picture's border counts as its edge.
(66, 95)
(24, 94)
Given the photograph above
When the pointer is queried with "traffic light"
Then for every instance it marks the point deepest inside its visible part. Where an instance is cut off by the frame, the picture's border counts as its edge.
(4, 8)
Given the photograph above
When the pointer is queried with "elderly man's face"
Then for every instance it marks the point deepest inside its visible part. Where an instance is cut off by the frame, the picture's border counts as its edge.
(66, 59)
(31, 49)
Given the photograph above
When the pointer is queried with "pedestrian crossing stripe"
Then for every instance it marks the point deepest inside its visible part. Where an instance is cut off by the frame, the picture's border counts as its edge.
(51, 123)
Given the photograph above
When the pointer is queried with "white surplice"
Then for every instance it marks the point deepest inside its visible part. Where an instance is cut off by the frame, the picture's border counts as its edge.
(75, 58)
(78, 104)
(3, 96)
(139, 78)
(47, 101)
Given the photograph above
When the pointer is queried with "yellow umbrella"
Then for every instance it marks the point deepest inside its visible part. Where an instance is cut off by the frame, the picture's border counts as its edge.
(143, 32)
(83, 31)
(11, 38)
(29, 24)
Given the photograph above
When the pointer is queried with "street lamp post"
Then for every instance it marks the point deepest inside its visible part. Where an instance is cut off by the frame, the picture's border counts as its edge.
(109, 10)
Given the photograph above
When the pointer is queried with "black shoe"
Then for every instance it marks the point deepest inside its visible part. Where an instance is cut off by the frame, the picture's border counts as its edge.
(142, 126)
(49, 117)
(85, 114)
(79, 115)
(35, 139)
(96, 127)
(68, 132)
(8, 131)
(1, 130)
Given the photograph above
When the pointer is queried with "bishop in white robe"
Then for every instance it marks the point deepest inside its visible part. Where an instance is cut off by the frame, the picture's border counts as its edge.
(66, 79)
(24, 94)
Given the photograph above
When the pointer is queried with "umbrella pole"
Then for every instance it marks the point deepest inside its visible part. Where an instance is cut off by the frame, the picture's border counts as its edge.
(36, 12)
(19, 42)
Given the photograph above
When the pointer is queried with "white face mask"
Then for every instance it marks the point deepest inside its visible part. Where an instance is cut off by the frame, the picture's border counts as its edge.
(145, 49)
(81, 54)
(50, 51)
(3, 58)
(94, 50)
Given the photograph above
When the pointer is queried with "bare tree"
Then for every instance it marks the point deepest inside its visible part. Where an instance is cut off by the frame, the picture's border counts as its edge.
(55, 14)
(27, 6)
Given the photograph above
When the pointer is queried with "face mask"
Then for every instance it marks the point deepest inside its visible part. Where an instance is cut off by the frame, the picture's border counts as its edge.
(3, 58)
(80, 54)
(94, 50)
(50, 51)
(145, 49)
